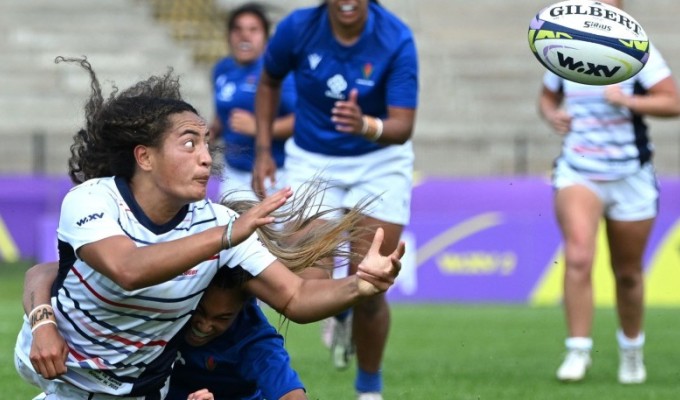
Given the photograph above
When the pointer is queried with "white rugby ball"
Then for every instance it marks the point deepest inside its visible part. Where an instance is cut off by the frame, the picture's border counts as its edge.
(588, 42)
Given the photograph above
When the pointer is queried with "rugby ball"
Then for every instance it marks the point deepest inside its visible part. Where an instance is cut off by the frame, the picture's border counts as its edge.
(588, 42)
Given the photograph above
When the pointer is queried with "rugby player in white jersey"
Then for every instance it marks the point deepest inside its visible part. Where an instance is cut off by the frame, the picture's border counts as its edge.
(605, 171)
(139, 243)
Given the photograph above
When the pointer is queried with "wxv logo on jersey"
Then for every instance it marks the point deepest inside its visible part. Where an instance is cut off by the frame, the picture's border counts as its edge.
(89, 218)
(580, 66)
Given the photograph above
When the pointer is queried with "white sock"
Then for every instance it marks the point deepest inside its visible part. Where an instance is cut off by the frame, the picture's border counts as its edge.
(579, 343)
(627, 343)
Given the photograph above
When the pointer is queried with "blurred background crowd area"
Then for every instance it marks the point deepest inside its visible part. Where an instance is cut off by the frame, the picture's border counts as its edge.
(479, 81)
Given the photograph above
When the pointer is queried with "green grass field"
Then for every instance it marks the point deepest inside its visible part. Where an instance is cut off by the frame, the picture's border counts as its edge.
(443, 352)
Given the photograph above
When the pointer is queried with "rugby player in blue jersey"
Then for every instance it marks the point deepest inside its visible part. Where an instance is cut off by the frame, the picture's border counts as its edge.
(356, 74)
(234, 80)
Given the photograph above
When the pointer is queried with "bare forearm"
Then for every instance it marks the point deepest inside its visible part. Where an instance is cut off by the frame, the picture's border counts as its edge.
(397, 128)
(322, 298)
(396, 131)
(547, 107)
(304, 300)
(38, 285)
(134, 267)
(266, 103)
(283, 127)
(656, 106)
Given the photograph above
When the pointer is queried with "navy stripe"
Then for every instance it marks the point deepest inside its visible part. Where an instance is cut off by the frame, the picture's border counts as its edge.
(640, 129)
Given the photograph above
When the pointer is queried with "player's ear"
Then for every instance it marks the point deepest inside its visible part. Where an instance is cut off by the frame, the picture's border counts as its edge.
(143, 157)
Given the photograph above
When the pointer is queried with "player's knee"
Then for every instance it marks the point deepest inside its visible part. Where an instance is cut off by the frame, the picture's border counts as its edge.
(372, 306)
(628, 278)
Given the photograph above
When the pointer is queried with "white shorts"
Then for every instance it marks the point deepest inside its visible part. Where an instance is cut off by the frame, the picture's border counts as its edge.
(238, 184)
(60, 390)
(385, 174)
(633, 198)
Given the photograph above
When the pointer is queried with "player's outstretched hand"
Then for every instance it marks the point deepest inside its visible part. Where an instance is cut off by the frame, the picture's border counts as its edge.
(257, 216)
(376, 272)
(48, 352)
(203, 394)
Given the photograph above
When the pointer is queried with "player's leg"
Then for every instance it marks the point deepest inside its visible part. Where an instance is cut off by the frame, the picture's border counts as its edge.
(338, 329)
(386, 177)
(629, 224)
(627, 242)
(578, 210)
(371, 318)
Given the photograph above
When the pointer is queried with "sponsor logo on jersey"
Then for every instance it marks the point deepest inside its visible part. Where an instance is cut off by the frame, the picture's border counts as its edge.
(89, 218)
(314, 60)
(336, 85)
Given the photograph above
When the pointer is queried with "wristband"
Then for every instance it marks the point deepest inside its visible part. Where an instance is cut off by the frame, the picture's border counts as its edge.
(364, 125)
(226, 234)
(378, 129)
(372, 128)
(33, 318)
(41, 323)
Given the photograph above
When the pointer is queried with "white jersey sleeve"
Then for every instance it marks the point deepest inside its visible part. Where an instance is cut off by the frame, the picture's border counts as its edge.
(552, 82)
(89, 213)
(655, 70)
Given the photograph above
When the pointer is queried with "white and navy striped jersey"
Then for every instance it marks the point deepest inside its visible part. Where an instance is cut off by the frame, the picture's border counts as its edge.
(121, 341)
(607, 142)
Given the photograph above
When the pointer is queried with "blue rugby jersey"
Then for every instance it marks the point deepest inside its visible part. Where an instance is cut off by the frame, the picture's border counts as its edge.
(121, 341)
(248, 361)
(382, 65)
(234, 86)
(607, 142)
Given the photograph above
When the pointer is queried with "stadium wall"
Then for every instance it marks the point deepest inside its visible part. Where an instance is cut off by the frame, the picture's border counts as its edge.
(491, 240)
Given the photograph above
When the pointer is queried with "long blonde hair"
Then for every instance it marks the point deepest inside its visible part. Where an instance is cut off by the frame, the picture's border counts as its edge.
(297, 241)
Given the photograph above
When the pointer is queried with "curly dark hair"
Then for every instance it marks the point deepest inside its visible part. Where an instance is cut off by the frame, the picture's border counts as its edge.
(114, 127)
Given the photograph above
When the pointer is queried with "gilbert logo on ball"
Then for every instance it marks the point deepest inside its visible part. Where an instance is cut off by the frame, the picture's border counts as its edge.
(588, 42)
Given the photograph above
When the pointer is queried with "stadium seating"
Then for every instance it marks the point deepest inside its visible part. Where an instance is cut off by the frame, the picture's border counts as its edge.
(479, 81)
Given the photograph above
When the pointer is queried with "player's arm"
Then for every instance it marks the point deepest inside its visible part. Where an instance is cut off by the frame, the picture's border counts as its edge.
(118, 257)
(397, 128)
(308, 300)
(267, 101)
(215, 128)
(283, 126)
(661, 100)
(203, 394)
(243, 121)
(48, 348)
(549, 106)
